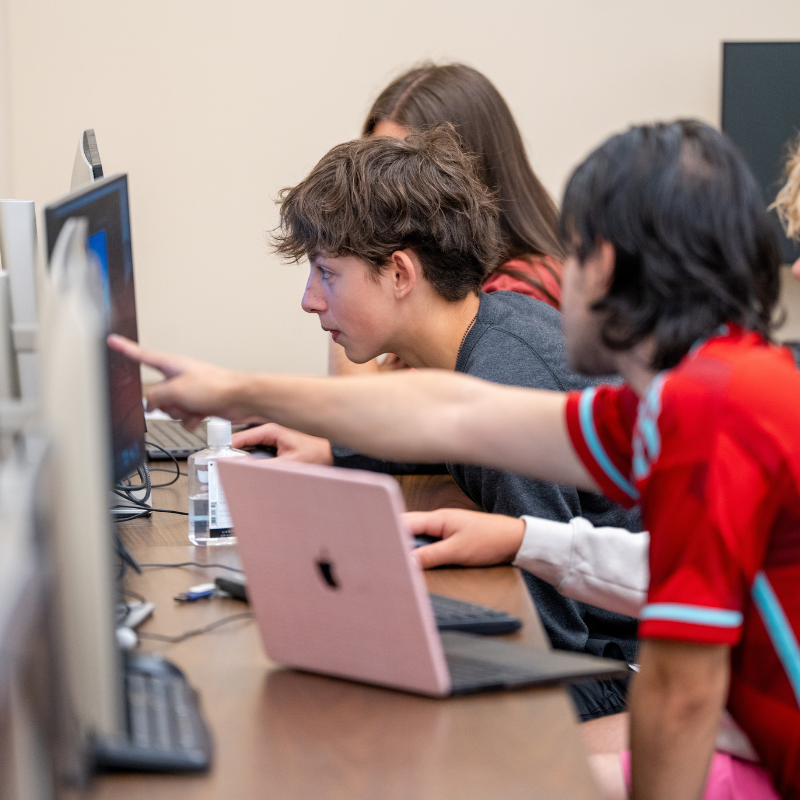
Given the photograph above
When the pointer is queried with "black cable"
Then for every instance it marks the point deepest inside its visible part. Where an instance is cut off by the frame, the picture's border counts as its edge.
(148, 509)
(194, 564)
(163, 469)
(134, 503)
(174, 460)
(160, 637)
(130, 517)
(126, 558)
(126, 490)
(135, 595)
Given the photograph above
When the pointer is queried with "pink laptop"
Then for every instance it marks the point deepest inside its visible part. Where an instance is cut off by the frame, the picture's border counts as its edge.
(335, 589)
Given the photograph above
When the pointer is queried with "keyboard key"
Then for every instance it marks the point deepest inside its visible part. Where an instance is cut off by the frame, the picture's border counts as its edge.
(457, 615)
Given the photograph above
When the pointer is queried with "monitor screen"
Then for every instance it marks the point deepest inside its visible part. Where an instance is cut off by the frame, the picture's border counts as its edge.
(761, 113)
(105, 205)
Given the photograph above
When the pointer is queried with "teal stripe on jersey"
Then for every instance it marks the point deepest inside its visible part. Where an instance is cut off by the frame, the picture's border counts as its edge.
(695, 615)
(780, 631)
(586, 418)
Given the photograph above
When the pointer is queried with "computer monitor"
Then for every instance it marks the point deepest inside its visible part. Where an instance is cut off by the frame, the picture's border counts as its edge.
(761, 113)
(104, 204)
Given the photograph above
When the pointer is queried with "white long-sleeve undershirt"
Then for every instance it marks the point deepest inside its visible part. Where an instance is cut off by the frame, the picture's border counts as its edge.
(607, 568)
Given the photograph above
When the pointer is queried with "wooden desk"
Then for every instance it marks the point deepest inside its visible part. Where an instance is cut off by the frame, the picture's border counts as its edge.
(289, 735)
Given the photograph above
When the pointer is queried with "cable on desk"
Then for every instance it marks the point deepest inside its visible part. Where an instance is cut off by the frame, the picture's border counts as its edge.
(135, 595)
(147, 509)
(126, 490)
(174, 460)
(160, 637)
(126, 559)
(194, 564)
(163, 469)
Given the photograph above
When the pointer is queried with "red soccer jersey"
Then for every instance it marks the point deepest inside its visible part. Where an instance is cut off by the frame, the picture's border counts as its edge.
(712, 454)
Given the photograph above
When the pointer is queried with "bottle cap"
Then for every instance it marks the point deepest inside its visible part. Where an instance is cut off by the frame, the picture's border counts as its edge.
(218, 432)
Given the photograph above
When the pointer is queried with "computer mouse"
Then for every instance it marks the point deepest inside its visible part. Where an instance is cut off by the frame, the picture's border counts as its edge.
(261, 450)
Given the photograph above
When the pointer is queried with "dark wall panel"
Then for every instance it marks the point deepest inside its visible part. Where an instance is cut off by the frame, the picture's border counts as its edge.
(761, 112)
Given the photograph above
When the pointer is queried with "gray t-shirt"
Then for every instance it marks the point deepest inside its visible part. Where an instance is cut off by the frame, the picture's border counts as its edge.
(518, 341)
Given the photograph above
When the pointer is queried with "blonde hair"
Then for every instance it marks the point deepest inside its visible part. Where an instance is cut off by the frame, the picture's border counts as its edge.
(787, 203)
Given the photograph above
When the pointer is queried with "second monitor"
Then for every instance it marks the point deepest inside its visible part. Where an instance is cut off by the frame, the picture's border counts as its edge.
(104, 204)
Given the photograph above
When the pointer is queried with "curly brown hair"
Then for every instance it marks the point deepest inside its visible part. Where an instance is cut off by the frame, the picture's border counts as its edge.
(371, 197)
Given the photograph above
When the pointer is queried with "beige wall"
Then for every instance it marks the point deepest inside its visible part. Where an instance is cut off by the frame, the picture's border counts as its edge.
(5, 108)
(212, 107)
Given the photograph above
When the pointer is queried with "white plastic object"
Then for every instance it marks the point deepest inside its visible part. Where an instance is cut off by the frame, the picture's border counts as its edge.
(126, 638)
(209, 518)
(137, 614)
(218, 432)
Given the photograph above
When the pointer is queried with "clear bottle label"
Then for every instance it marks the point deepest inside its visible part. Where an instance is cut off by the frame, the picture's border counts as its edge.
(219, 518)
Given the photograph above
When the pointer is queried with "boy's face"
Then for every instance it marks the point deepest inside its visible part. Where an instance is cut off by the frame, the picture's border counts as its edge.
(357, 307)
(581, 285)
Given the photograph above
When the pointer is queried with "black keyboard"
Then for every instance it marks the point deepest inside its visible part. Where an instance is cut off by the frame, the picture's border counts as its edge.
(174, 438)
(456, 615)
(165, 732)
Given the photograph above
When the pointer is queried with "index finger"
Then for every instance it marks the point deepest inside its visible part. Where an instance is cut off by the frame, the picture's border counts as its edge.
(437, 554)
(264, 434)
(430, 522)
(160, 361)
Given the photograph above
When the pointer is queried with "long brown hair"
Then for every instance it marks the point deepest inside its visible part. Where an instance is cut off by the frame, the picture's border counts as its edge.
(462, 96)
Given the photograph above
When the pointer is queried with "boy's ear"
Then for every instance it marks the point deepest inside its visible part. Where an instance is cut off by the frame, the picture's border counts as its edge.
(405, 271)
(601, 264)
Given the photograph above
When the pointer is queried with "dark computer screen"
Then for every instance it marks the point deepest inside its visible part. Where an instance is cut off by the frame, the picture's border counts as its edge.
(761, 113)
(105, 206)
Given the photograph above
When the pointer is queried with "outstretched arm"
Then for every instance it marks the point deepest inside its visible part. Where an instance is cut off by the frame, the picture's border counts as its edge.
(425, 416)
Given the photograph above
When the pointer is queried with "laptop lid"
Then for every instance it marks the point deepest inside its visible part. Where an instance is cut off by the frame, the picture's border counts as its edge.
(330, 573)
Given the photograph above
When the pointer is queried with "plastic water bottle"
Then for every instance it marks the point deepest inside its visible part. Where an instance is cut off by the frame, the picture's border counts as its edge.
(209, 518)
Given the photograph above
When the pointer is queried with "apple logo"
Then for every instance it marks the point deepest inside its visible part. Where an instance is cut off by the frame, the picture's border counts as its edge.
(325, 568)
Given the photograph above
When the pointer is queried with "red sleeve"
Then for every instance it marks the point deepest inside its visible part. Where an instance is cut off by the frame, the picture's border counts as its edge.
(543, 271)
(600, 423)
(708, 506)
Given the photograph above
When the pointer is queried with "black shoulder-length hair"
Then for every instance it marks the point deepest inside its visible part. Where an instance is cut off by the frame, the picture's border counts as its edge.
(694, 246)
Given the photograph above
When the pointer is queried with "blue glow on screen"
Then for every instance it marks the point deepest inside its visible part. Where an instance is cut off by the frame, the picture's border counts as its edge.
(97, 245)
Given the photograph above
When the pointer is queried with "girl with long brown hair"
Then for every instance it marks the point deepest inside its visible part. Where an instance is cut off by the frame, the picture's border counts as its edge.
(427, 95)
